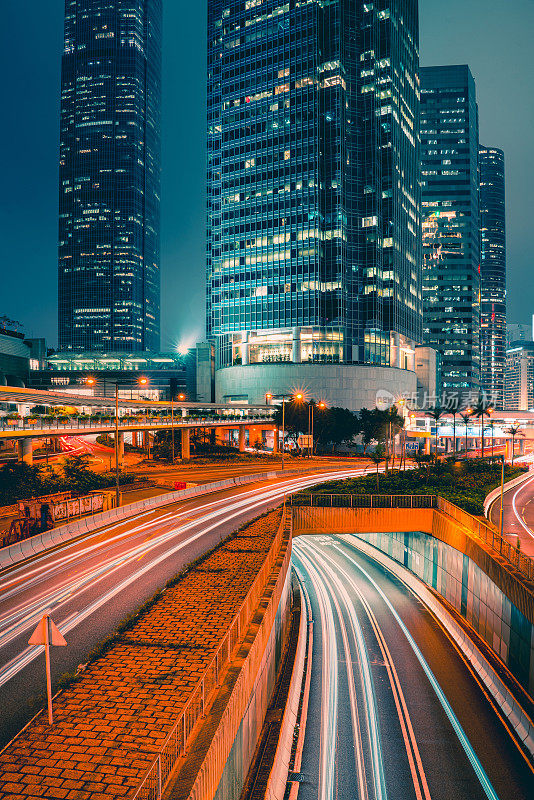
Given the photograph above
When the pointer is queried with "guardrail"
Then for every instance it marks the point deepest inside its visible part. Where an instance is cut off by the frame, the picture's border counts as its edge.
(365, 500)
(475, 527)
(509, 552)
(175, 745)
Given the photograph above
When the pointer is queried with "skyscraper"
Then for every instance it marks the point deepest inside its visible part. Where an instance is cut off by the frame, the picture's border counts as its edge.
(492, 272)
(313, 188)
(451, 227)
(109, 180)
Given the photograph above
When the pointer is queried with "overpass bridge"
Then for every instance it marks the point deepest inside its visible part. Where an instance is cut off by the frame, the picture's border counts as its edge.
(134, 416)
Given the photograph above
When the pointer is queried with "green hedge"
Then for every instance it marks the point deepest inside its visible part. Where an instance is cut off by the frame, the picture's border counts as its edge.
(465, 483)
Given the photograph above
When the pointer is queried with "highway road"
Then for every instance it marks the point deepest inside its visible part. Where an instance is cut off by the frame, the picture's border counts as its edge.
(393, 712)
(90, 585)
(518, 514)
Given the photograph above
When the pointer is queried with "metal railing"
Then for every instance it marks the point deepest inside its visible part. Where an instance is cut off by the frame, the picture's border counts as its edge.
(154, 423)
(480, 530)
(365, 500)
(475, 527)
(175, 745)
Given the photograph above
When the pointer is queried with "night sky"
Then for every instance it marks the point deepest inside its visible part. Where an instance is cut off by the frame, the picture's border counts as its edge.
(493, 36)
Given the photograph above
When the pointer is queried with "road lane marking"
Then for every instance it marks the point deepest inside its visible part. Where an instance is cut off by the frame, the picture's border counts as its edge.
(453, 719)
(373, 727)
(410, 742)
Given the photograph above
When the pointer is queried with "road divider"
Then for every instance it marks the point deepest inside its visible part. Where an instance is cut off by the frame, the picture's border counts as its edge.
(19, 551)
(495, 494)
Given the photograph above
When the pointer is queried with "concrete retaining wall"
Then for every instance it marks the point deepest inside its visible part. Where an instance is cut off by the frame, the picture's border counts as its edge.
(505, 700)
(220, 753)
(446, 556)
(471, 592)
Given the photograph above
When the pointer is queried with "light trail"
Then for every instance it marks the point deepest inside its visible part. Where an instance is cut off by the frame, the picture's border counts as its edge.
(329, 691)
(514, 507)
(410, 743)
(366, 679)
(463, 739)
(216, 513)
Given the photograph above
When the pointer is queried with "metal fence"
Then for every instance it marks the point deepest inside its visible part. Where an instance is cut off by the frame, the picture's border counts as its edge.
(475, 527)
(175, 745)
(365, 500)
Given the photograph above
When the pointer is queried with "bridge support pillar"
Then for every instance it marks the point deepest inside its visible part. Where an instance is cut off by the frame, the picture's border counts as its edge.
(276, 445)
(186, 444)
(25, 449)
(134, 438)
(427, 446)
(521, 447)
(241, 438)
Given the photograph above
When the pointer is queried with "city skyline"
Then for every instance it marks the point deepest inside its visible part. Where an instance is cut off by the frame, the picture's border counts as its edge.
(182, 242)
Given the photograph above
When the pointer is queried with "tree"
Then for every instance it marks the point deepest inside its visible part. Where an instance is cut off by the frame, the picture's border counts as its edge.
(339, 425)
(514, 430)
(377, 456)
(436, 412)
(466, 416)
(373, 426)
(296, 418)
(394, 423)
(482, 409)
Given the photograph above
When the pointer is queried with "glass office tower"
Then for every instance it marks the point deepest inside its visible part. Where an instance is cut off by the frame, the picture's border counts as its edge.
(451, 227)
(313, 181)
(492, 272)
(109, 182)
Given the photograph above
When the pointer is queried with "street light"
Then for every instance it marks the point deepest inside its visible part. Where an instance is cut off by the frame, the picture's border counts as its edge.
(298, 396)
(181, 397)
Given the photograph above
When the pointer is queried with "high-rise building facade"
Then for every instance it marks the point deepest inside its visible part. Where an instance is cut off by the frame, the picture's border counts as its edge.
(451, 223)
(492, 273)
(519, 332)
(519, 377)
(109, 182)
(313, 182)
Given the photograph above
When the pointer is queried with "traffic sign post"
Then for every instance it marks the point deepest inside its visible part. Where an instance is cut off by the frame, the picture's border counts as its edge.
(47, 633)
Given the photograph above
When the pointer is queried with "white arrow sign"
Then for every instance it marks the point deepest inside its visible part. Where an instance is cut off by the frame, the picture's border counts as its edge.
(47, 633)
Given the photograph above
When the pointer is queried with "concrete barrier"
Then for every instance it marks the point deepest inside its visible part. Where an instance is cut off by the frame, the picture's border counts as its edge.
(492, 496)
(14, 553)
(508, 704)
(277, 781)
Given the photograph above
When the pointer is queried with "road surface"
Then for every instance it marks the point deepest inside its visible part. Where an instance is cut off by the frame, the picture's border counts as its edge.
(518, 514)
(393, 711)
(91, 585)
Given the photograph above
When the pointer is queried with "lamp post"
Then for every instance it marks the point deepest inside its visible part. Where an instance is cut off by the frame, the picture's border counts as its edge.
(502, 492)
(268, 398)
(181, 397)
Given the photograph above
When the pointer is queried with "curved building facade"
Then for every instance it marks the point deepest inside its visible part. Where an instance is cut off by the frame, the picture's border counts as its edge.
(109, 182)
(352, 386)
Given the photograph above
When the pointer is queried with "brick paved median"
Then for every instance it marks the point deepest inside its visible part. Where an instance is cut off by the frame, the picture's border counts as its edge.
(111, 722)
